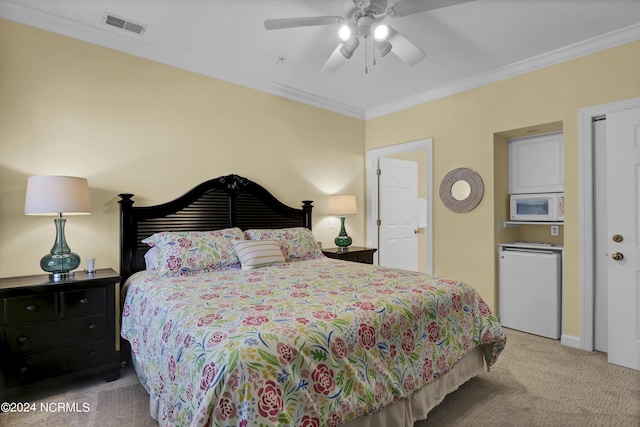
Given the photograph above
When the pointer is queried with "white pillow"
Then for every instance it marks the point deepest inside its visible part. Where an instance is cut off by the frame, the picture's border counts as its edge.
(151, 258)
(258, 253)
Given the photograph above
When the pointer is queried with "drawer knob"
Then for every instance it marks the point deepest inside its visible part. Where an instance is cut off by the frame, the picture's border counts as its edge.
(23, 339)
(23, 369)
(84, 300)
(92, 326)
(92, 353)
(32, 307)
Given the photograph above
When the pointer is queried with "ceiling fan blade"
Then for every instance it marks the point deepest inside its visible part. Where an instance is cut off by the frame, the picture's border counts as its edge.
(405, 49)
(334, 60)
(409, 7)
(278, 24)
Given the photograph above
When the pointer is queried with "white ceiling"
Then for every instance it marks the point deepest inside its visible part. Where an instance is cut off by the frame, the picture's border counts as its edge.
(467, 45)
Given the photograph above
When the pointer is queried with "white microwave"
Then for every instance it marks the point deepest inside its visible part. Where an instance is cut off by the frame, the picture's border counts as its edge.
(537, 207)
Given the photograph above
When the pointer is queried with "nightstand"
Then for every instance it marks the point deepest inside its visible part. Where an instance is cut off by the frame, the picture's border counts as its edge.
(54, 331)
(353, 253)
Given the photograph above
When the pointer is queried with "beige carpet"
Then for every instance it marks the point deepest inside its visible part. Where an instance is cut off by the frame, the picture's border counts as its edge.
(536, 382)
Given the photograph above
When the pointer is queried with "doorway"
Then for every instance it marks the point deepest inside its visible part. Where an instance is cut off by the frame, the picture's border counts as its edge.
(590, 163)
(424, 146)
(398, 232)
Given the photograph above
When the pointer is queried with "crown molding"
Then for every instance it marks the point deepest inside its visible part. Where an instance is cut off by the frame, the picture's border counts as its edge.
(586, 47)
(134, 45)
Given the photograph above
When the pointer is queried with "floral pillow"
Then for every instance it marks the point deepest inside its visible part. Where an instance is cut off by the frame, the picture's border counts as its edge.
(297, 244)
(185, 252)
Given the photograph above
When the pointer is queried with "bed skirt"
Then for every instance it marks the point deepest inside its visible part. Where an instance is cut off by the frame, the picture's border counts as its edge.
(403, 413)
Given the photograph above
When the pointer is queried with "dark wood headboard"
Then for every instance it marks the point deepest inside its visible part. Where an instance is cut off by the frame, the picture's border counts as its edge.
(227, 201)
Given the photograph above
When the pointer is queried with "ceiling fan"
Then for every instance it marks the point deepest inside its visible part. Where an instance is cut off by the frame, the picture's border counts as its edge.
(364, 18)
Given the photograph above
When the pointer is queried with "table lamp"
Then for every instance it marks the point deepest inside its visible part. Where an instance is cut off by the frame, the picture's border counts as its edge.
(342, 204)
(55, 195)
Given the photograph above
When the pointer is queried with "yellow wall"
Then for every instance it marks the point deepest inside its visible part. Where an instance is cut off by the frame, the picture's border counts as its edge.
(132, 125)
(464, 128)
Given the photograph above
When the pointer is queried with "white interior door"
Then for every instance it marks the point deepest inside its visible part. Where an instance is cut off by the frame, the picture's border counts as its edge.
(623, 219)
(398, 213)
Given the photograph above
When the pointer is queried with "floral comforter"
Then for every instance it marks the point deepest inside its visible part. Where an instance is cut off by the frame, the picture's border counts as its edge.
(309, 343)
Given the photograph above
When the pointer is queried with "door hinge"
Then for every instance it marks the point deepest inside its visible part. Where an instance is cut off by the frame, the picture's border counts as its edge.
(379, 171)
(379, 223)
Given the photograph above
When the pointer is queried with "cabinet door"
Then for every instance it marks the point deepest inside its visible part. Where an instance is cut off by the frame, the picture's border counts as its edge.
(536, 164)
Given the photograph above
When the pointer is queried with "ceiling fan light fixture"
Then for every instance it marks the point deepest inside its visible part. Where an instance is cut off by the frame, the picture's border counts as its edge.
(381, 32)
(344, 32)
(363, 18)
(384, 47)
(349, 47)
(346, 53)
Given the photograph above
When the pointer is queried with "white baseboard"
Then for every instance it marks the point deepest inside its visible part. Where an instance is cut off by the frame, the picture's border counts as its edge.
(571, 341)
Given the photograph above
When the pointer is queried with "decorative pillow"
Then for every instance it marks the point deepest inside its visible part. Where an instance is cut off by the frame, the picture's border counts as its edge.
(186, 252)
(258, 253)
(297, 243)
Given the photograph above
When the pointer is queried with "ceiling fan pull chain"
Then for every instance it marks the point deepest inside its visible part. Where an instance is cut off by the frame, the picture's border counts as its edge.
(373, 49)
(366, 67)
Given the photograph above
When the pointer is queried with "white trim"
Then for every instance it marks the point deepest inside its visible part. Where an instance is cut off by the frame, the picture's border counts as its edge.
(570, 341)
(587, 281)
(372, 191)
(133, 44)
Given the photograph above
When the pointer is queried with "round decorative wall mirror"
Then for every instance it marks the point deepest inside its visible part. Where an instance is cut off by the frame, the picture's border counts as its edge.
(461, 190)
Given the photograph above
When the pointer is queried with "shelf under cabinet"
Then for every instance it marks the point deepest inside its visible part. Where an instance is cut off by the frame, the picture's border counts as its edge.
(511, 224)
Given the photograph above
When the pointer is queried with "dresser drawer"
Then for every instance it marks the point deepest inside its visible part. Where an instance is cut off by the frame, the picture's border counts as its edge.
(30, 308)
(365, 258)
(54, 331)
(82, 301)
(42, 366)
(22, 339)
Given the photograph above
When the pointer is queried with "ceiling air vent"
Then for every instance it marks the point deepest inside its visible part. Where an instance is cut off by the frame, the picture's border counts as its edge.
(125, 24)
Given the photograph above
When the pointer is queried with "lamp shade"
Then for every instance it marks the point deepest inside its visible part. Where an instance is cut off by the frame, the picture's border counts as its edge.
(53, 195)
(342, 204)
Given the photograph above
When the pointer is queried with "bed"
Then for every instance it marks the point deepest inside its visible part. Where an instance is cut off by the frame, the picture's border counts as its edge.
(234, 317)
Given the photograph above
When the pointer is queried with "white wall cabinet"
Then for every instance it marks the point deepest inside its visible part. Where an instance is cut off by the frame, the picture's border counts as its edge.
(536, 164)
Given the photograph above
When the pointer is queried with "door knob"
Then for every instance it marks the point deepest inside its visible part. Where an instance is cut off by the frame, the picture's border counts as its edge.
(416, 231)
(617, 256)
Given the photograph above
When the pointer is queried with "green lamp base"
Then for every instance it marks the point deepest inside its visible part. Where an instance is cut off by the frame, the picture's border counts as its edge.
(342, 241)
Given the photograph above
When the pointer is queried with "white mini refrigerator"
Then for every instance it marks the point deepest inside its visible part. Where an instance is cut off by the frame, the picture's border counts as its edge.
(530, 290)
